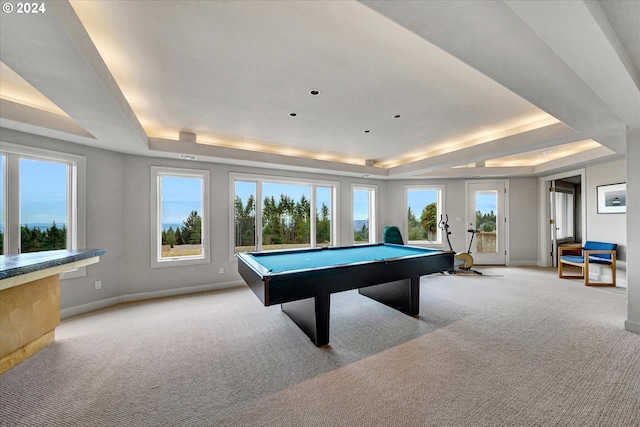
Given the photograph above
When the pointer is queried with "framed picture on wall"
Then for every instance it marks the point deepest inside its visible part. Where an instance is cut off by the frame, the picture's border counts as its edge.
(612, 198)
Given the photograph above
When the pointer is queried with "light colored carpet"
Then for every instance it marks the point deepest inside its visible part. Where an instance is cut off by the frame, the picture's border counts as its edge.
(514, 347)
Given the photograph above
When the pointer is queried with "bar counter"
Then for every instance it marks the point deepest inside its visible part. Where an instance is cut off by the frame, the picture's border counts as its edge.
(30, 299)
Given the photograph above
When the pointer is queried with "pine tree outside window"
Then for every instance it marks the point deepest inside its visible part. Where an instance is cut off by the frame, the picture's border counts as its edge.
(272, 213)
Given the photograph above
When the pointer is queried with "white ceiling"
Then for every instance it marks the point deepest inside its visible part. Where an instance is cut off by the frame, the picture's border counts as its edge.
(502, 88)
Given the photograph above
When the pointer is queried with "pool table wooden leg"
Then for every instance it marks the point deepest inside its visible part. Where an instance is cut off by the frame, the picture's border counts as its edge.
(403, 295)
(312, 316)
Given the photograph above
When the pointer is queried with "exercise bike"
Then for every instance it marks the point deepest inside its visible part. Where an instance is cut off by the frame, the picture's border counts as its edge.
(463, 261)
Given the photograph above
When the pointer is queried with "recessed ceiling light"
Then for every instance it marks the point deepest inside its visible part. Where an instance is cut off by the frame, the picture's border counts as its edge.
(314, 92)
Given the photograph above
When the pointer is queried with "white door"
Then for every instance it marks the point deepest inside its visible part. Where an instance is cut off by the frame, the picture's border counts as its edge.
(486, 212)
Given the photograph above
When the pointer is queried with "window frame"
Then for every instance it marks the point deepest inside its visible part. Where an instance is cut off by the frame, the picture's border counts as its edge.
(157, 172)
(440, 211)
(75, 223)
(259, 180)
(373, 211)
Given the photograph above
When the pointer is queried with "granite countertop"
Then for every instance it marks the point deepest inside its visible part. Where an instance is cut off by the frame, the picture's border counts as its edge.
(15, 265)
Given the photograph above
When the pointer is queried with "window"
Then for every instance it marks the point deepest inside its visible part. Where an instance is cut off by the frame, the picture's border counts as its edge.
(364, 214)
(276, 213)
(180, 217)
(43, 203)
(424, 207)
(245, 216)
(324, 215)
(286, 210)
(564, 201)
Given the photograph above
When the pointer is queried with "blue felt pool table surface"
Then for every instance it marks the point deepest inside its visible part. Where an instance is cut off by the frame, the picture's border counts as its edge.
(279, 262)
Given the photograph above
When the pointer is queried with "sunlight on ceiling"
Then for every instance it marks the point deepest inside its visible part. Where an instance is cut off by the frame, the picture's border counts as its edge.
(537, 157)
(15, 89)
(502, 130)
(283, 150)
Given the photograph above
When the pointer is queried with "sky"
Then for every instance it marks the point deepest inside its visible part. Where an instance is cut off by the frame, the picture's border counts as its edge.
(43, 192)
(486, 202)
(180, 196)
(419, 199)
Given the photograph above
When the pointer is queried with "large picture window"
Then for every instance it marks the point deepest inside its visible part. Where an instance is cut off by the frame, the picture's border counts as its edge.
(42, 201)
(272, 213)
(423, 205)
(364, 214)
(180, 222)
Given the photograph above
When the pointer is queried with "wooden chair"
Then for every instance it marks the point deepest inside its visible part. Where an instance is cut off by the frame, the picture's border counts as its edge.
(391, 234)
(599, 253)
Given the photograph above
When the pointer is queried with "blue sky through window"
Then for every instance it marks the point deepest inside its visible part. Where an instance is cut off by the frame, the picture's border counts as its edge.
(43, 193)
(486, 202)
(360, 204)
(180, 196)
(419, 199)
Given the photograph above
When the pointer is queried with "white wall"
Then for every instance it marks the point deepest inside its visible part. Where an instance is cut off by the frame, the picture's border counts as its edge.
(523, 221)
(606, 227)
(633, 231)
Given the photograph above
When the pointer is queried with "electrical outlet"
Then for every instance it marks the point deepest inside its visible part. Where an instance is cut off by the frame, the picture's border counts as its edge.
(98, 284)
(221, 270)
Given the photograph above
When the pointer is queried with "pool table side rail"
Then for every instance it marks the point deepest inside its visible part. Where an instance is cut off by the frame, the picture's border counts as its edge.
(253, 258)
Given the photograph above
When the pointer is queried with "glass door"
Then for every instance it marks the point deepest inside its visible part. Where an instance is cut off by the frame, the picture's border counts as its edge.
(486, 216)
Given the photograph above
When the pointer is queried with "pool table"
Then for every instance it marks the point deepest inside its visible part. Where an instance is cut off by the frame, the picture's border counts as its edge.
(302, 280)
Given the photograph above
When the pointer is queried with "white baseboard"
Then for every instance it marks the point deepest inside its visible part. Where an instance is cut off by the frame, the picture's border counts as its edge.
(85, 308)
(523, 263)
(96, 305)
(596, 277)
(180, 291)
(632, 326)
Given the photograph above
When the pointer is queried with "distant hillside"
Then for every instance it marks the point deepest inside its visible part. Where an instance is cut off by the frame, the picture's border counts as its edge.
(358, 223)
